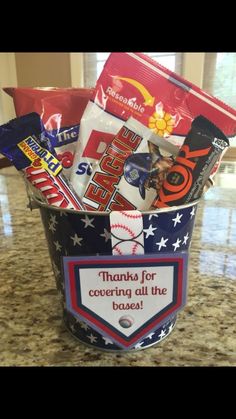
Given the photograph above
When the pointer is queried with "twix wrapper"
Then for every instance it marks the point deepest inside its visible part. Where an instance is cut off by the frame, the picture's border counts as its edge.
(19, 142)
(186, 179)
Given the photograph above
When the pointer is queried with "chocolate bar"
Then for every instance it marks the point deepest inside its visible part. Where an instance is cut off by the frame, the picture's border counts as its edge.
(186, 179)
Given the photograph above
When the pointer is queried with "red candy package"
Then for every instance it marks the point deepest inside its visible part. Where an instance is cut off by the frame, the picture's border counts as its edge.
(132, 84)
(60, 109)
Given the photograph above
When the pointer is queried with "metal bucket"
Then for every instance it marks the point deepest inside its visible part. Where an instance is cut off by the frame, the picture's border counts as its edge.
(85, 237)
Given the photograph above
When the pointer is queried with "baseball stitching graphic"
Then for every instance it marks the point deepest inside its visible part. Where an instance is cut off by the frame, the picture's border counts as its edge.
(127, 232)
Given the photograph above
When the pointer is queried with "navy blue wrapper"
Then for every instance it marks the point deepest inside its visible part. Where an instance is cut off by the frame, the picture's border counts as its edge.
(63, 136)
(17, 130)
(30, 128)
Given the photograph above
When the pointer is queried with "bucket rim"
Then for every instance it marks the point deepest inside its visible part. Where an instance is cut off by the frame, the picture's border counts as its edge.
(34, 202)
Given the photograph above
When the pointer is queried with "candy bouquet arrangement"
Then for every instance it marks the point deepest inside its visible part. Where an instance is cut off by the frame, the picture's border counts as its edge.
(142, 141)
(143, 138)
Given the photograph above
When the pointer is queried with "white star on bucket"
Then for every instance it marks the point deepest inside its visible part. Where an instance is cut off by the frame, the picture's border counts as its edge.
(149, 231)
(186, 238)
(87, 222)
(152, 215)
(53, 219)
(176, 244)
(177, 219)
(92, 338)
(138, 345)
(192, 213)
(84, 326)
(171, 327)
(52, 227)
(107, 341)
(63, 213)
(58, 246)
(150, 336)
(72, 328)
(76, 240)
(162, 334)
(162, 243)
(56, 270)
(106, 235)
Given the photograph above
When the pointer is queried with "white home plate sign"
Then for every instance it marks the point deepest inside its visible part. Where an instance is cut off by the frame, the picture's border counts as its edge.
(125, 297)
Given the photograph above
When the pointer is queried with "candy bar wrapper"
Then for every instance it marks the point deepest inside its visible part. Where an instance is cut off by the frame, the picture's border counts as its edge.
(131, 170)
(134, 85)
(19, 143)
(60, 110)
(186, 179)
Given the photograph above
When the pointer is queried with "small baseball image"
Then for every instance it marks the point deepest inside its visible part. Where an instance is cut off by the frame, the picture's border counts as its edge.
(128, 248)
(126, 225)
(126, 321)
(127, 232)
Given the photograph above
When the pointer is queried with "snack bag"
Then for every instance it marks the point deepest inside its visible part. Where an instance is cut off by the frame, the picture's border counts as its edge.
(97, 130)
(131, 170)
(19, 142)
(61, 110)
(132, 84)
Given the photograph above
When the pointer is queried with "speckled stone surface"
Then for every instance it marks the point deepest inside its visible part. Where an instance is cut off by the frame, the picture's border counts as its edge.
(31, 328)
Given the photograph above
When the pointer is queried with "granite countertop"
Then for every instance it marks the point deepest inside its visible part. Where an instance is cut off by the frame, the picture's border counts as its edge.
(31, 328)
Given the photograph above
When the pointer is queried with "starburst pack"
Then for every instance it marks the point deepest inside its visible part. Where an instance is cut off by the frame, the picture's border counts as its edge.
(132, 84)
(61, 110)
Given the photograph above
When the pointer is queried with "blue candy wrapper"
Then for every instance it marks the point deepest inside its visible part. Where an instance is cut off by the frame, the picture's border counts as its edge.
(21, 141)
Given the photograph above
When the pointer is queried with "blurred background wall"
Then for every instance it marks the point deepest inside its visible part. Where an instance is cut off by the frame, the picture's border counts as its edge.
(43, 69)
(8, 77)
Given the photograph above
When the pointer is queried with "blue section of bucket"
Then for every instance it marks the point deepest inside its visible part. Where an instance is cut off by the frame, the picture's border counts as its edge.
(91, 337)
(76, 234)
(168, 231)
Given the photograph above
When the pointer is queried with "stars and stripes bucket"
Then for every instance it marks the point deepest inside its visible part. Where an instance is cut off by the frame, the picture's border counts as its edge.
(122, 276)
